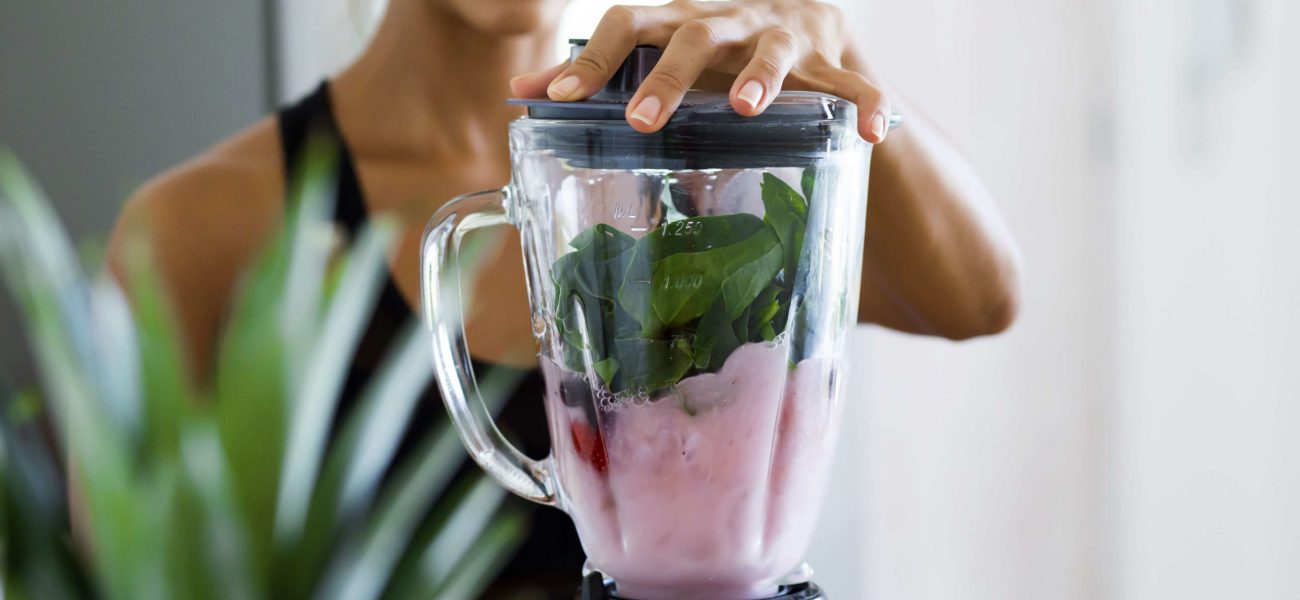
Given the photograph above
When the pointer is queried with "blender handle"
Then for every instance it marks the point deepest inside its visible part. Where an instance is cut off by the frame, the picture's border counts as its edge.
(440, 290)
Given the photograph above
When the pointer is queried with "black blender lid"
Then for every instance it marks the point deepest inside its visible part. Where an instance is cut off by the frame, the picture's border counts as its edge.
(796, 129)
(611, 101)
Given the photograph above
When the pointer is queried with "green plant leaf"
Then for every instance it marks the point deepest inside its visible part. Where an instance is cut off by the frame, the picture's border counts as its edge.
(40, 267)
(189, 513)
(426, 574)
(348, 313)
(41, 270)
(361, 454)
(251, 399)
(461, 523)
(311, 239)
(488, 555)
(166, 387)
(114, 333)
(385, 407)
(366, 564)
(220, 535)
(38, 561)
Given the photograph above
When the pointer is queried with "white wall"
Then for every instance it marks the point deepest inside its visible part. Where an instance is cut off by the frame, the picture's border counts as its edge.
(319, 37)
(1205, 479)
(982, 461)
(1129, 438)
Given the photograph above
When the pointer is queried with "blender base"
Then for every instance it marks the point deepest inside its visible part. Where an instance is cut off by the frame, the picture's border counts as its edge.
(595, 587)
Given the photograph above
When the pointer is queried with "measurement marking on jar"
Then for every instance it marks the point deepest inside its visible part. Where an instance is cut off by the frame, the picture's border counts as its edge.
(684, 228)
(689, 281)
(624, 210)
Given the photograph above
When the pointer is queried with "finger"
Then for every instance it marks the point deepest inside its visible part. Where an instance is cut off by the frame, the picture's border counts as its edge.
(873, 105)
(533, 85)
(691, 50)
(613, 40)
(760, 81)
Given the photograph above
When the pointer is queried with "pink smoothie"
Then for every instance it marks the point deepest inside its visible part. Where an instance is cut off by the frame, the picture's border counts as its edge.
(708, 491)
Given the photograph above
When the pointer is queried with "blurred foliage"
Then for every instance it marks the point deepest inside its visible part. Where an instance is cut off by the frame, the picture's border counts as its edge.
(247, 488)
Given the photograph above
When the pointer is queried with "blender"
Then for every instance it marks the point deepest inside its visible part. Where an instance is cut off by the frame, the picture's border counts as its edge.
(691, 293)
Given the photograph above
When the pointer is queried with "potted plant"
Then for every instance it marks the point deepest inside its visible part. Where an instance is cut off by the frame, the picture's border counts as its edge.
(237, 489)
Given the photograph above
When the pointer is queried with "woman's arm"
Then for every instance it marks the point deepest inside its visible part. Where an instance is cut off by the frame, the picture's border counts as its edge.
(938, 259)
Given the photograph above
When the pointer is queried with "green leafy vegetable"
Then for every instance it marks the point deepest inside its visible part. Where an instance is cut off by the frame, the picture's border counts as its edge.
(684, 285)
(641, 314)
(807, 182)
(715, 338)
(787, 214)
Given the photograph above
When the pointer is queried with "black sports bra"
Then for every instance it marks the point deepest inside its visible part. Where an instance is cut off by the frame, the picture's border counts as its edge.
(550, 560)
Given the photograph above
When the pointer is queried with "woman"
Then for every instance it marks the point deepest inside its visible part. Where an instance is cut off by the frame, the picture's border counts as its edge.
(421, 118)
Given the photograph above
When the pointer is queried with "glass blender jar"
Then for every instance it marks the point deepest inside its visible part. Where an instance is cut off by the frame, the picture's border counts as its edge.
(691, 291)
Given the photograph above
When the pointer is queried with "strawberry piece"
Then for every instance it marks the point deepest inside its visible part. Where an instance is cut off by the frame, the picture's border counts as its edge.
(589, 445)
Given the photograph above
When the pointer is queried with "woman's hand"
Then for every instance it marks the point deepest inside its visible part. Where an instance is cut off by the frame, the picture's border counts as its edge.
(759, 47)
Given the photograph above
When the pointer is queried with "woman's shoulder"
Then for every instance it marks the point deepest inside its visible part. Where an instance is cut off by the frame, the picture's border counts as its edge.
(204, 221)
(227, 198)
(242, 172)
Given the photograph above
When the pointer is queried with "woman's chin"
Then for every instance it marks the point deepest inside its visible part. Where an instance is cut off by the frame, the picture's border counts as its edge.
(519, 23)
(511, 17)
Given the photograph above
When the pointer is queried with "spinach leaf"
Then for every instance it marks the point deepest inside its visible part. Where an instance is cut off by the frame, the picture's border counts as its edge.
(698, 234)
(779, 199)
(635, 292)
(715, 338)
(607, 369)
(663, 270)
(644, 313)
(787, 213)
(651, 364)
(609, 239)
(745, 283)
(684, 285)
(740, 326)
(599, 267)
(765, 308)
(807, 182)
(586, 283)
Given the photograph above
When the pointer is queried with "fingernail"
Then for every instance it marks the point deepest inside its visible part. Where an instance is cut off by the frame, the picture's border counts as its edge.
(878, 127)
(564, 88)
(751, 93)
(648, 110)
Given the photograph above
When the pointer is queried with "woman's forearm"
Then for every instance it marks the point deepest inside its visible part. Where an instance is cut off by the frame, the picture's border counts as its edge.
(939, 259)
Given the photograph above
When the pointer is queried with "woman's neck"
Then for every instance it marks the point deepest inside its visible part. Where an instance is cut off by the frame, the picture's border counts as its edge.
(431, 85)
